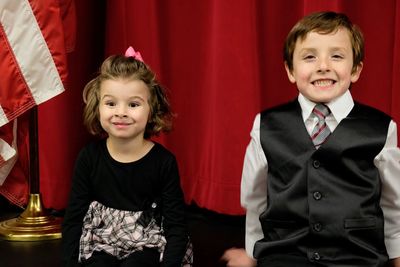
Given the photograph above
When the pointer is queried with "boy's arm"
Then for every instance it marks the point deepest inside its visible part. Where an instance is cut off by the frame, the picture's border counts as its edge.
(388, 163)
(253, 198)
(254, 187)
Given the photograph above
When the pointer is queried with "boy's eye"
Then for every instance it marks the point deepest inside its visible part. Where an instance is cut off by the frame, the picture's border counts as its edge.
(308, 57)
(337, 56)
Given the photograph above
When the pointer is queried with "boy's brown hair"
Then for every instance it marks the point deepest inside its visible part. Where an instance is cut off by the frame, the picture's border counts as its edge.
(118, 67)
(324, 23)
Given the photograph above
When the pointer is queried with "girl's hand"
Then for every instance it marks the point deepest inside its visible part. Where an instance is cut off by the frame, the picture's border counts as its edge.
(237, 257)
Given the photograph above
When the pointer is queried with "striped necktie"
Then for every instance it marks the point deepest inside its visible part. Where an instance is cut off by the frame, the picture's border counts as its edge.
(321, 131)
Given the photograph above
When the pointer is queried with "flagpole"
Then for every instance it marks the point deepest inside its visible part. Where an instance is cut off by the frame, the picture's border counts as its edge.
(34, 224)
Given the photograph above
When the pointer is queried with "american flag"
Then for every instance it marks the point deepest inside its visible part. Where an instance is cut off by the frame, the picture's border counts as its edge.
(33, 67)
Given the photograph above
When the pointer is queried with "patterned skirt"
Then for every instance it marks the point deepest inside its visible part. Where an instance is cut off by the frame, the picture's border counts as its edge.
(119, 233)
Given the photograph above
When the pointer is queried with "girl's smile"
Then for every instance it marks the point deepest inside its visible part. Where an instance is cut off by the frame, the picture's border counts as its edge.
(124, 108)
(121, 125)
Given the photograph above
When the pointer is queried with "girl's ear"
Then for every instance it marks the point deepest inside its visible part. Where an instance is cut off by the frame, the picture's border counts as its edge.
(355, 75)
(292, 79)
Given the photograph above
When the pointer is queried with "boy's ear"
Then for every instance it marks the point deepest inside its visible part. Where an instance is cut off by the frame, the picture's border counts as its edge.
(356, 73)
(292, 79)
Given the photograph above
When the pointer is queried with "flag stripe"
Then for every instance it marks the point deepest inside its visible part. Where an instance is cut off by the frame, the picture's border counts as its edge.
(3, 117)
(8, 154)
(15, 101)
(39, 75)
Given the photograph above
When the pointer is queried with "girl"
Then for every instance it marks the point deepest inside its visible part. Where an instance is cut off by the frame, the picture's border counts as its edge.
(126, 205)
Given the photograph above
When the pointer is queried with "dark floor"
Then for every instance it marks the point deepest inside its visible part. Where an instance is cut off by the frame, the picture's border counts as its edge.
(211, 234)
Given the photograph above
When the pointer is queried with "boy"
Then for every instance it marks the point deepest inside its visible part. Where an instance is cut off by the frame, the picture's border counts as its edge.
(321, 175)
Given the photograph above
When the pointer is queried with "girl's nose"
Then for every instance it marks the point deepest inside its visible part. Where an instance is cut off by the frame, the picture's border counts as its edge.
(120, 112)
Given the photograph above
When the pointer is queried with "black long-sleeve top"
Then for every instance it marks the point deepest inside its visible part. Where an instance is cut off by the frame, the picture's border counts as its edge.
(130, 186)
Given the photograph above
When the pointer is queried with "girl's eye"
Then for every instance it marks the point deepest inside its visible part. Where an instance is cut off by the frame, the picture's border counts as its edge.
(110, 103)
(133, 104)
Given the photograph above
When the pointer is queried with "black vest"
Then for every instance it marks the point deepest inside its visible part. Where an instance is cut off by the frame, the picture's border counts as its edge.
(323, 204)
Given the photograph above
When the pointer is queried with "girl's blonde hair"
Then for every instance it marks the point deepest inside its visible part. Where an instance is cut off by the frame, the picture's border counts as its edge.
(127, 68)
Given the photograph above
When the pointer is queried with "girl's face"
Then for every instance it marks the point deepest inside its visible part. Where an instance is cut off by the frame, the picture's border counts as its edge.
(124, 108)
(322, 65)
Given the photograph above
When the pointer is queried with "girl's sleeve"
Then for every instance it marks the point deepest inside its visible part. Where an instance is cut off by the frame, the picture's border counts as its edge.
(76, 210)
(388, 163)
(254, 187)
(173, 211)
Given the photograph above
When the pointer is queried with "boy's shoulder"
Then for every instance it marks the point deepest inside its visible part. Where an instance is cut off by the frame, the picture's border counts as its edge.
(359, 108)
(363, 110)
(282, 108)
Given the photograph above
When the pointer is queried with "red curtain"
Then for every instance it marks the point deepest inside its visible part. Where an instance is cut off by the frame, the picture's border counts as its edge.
(61, 133)
(221, 62)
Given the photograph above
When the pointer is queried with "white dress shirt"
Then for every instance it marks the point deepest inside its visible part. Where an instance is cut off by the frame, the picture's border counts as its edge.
(255, 170)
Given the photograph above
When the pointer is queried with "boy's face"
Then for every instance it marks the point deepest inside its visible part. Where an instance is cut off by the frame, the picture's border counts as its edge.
(322, 65)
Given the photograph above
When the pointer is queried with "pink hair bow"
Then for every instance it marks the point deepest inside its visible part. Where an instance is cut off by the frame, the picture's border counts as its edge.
(130, 52)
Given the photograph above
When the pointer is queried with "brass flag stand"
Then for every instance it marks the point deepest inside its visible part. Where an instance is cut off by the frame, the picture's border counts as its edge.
(34, 223)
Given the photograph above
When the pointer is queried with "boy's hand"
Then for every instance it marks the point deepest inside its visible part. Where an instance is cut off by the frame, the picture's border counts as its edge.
(395, 262)
(237, 257)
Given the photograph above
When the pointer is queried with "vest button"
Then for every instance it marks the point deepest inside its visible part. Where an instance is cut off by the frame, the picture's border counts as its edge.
(316, 256)
(317, 195)
(317, 227)
(316, 164)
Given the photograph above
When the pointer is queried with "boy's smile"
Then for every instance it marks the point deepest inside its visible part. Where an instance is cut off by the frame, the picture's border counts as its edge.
(323, 83)
(322, 65)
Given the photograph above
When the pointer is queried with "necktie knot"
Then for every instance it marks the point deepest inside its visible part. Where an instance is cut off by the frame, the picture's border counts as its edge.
(321, 111)
(321, 131)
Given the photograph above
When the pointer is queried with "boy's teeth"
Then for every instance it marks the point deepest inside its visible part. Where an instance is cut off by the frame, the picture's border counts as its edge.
(323, 83)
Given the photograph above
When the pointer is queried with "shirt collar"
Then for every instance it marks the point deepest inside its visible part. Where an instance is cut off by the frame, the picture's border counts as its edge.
(340, 106)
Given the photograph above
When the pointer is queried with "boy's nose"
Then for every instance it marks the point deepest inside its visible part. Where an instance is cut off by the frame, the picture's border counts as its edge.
(323, 65)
